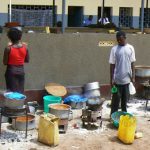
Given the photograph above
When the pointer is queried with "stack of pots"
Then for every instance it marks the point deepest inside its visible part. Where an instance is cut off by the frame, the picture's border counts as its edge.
(92, 93)
(92, 90)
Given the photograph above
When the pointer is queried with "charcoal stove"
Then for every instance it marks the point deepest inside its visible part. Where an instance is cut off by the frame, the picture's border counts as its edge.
(14, 113)
(63, 125)
(92, 116)
(91, 119)
(142, 74)
(146, 92)
(62, 112)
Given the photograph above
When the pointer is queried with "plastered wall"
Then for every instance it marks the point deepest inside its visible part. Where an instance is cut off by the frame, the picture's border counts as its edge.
(71, 58)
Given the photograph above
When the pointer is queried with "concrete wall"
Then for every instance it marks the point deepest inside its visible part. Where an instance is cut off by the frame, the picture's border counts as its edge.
(71, 59)
(90, 7)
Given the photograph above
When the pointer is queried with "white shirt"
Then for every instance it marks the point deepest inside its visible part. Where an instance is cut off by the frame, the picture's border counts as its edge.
(105, 20)
(122, 57)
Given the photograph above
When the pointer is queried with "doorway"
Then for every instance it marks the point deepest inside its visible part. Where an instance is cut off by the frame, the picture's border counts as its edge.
(75, 16)
(107, 12)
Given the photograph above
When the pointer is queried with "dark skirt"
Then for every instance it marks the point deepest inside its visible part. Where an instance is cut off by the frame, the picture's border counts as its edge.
(15, 78)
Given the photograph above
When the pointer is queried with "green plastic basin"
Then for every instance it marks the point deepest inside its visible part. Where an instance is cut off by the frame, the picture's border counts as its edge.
(116, 117)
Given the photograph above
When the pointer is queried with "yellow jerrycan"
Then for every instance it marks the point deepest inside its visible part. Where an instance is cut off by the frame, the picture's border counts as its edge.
(48, 132)
(126, 130)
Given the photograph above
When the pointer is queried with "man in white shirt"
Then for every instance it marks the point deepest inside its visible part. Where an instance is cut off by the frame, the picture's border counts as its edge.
(104, 20)
(122, 72)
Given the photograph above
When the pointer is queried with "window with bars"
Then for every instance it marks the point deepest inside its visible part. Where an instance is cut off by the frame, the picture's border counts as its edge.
(146, 18)
(125, 17)
(32, 15)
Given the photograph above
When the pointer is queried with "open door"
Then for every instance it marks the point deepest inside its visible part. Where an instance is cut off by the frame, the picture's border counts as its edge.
(75, 16)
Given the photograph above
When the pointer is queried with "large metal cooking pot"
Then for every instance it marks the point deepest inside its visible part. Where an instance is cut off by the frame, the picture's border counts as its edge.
(95, 104)
(142, 71)
(12, 103)
(91, 86)
(77, 105)
(21, 123)
(92, 93)
(60, 110)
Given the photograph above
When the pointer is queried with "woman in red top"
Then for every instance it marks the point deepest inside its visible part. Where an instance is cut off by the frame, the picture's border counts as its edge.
(15, 55)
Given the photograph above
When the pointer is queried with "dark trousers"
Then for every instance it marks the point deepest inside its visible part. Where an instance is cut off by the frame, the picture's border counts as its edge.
(14, 82)
(123, 95)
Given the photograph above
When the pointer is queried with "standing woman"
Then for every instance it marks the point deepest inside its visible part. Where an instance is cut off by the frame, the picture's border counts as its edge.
(15, 55)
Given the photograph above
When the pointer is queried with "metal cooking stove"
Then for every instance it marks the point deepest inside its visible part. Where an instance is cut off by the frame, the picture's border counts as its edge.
(14, 113)
(146, 92)
(91, 119)
(92, 116)
(63, 125)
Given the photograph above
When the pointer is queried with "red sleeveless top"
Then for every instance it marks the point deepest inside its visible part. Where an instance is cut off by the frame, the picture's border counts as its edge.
(17, 55)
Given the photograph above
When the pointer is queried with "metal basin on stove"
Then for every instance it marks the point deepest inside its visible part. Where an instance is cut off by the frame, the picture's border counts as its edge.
(60, 110)
(95, 104)
(142, 71)
(21, 122)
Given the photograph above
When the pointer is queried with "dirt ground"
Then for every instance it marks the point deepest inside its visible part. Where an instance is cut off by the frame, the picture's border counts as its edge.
(103, 138)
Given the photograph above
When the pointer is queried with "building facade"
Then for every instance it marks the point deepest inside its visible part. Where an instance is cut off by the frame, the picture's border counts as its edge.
(123, 13)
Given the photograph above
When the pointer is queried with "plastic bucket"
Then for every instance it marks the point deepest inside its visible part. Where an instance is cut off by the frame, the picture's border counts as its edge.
(49, 99)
